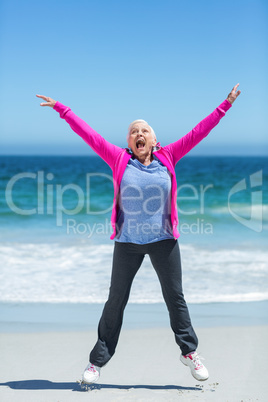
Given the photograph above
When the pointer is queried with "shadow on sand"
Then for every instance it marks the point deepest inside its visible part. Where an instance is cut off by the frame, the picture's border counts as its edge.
(76, 386)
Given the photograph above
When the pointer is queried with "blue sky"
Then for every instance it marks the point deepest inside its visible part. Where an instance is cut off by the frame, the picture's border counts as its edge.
(168, 62)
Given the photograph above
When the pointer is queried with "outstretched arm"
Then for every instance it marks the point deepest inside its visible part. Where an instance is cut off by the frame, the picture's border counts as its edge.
(107, 151)
(181, 147)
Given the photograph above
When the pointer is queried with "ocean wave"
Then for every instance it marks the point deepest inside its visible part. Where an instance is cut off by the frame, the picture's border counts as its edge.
(80, 273)
(241, 208)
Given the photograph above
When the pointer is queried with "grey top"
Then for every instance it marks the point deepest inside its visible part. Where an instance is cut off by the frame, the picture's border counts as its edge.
(144, 203)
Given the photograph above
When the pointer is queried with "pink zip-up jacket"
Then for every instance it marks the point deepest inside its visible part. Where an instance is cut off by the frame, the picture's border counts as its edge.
(117, 158)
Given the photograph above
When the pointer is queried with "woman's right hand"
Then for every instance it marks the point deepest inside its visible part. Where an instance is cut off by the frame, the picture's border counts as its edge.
(50, 102)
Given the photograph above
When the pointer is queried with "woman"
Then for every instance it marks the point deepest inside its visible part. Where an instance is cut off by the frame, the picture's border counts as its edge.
(144, 220)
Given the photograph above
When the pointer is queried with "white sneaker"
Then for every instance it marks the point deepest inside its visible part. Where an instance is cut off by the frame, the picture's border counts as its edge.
(91, 374)
(198, 370)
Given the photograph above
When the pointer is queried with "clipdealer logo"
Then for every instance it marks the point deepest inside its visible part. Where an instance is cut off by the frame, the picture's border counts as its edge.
(255, 207)
(46, 192)
(45, 196)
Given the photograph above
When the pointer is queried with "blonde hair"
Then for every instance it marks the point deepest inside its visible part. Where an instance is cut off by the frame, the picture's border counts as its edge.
(139, 121)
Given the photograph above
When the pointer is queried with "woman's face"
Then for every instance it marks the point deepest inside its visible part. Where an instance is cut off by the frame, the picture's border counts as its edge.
(141, 140)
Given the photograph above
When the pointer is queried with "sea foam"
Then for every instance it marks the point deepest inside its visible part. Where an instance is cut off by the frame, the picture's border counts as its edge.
(80, 273)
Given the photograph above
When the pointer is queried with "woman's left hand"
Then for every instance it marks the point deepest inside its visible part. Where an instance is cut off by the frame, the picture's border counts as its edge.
(233, 94)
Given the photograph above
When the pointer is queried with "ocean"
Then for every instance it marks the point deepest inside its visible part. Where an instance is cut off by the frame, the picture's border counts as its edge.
(55, 242)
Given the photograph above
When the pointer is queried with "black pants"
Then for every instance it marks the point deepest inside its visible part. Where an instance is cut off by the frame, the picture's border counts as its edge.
(127, 259)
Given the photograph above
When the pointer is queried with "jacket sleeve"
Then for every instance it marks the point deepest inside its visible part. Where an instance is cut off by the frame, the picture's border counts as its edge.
(107, 151)
(182, 146)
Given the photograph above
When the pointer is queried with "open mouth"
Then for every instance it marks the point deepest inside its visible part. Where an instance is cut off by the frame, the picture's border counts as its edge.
(140, 143)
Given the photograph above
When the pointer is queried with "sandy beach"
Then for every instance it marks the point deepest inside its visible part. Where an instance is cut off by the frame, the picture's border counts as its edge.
(146, 367)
